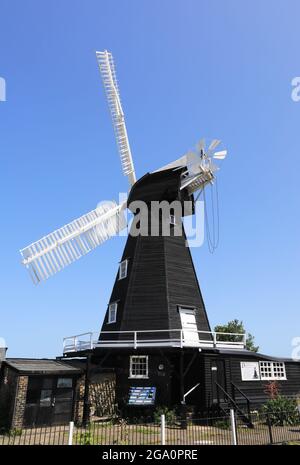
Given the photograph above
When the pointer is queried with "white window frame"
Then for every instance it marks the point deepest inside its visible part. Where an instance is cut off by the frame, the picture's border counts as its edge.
(123, 273)
(139, 376)
(112, 310)
(272, 365)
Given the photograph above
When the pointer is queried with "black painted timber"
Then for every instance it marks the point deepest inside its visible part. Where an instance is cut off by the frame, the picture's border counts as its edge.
(161, 276)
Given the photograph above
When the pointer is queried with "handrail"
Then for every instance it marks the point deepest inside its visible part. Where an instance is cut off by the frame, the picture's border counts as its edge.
(227, 395)
(92, 340)
(235, 405)
(158, 331)
(235, 387)
(240, 391)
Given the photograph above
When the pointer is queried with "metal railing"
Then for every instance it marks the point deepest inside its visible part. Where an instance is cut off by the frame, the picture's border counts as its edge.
(218, 430)
(235, 388)
(231, 402)
(153, 338)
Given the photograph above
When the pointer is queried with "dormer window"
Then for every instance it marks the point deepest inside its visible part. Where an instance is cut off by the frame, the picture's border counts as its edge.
(112, 312)
(123, 269)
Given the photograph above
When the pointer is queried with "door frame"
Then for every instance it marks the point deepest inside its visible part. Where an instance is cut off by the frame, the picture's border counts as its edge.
(52, 386)
(217, 394)
(191, 310)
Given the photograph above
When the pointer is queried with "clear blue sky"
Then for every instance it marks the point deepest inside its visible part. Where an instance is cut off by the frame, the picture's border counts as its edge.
(187, 69)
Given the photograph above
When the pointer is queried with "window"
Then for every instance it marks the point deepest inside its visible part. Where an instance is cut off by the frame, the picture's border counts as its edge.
(272, 370)
(123, 269)
(46, 396)
(112, 312)
(64, 382)
(139, 366)
(263, 370)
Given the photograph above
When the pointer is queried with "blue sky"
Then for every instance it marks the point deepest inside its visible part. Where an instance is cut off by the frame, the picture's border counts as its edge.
(187, 69)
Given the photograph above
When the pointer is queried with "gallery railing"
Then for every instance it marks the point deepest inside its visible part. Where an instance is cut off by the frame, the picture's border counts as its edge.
(154, 338)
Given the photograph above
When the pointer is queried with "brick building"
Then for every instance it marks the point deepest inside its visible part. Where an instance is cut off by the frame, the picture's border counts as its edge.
(38, 392)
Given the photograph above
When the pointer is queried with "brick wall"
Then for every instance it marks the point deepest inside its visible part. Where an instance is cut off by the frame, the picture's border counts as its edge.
(20, 402)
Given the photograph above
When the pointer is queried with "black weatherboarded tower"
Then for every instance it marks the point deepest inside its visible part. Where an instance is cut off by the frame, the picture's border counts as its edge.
(156, 280)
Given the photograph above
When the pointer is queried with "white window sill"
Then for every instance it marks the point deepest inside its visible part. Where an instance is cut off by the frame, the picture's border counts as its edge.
(273, 379)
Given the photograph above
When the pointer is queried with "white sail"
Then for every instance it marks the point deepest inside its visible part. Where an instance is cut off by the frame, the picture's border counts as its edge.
(108, 73)
(62, 247)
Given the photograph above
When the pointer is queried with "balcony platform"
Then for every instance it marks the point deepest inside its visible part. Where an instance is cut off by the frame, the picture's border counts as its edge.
(176, 338)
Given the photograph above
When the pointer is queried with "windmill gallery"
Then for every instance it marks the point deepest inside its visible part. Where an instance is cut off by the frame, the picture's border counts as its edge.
(156, 346)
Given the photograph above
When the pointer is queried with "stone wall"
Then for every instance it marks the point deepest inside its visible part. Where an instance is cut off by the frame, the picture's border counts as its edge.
(20, 402)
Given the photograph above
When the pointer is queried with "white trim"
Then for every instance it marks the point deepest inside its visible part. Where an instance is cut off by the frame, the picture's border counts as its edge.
(191, 390)
(135, 339)
(250, 370)
(189, 331)
(233, 427)
(163, 430)
(71, 429)
(123, 272)
(271, 366)
(263, 368)
(131, 375)
(112, 309)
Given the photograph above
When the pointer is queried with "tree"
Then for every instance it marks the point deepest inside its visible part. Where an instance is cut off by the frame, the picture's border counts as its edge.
(236, 326)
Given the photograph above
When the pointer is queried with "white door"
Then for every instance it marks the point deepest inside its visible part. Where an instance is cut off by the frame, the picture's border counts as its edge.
(189, 326)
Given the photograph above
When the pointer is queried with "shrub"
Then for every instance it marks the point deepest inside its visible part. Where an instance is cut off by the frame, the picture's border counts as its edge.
(222, 424)
(281, 411)
(272, 389)
(15, 432)
(86, 438)
(169, 414)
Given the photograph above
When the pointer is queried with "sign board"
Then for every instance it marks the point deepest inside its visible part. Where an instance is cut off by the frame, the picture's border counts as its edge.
(250, 371)
(141, 395)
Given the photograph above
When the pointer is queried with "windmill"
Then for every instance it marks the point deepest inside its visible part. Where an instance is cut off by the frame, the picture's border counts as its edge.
(156, 338)
(156, 307)
(57, 250)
